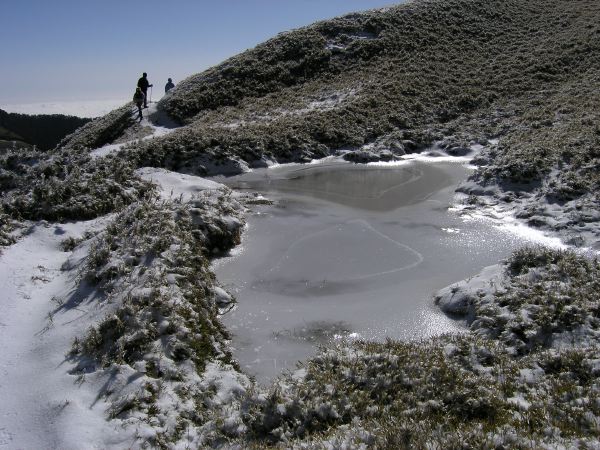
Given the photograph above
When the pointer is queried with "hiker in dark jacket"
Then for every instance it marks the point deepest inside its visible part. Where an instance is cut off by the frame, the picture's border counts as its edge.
(139, 98)
(144, 84)
(169, 86)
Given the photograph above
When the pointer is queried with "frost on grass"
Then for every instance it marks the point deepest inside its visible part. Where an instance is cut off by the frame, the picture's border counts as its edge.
(542, 298)
(6, 228)
(447, 392)
(161, 344)
(103, 130)
(66, 185)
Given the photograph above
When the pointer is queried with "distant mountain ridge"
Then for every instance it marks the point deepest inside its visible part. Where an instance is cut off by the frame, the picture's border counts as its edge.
(42, 130)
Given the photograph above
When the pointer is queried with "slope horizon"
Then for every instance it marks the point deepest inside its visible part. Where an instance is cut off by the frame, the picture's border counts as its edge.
(87, 70)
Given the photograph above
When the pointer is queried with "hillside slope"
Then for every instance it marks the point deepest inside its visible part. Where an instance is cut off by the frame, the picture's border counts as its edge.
(400, 79)
(519, 78)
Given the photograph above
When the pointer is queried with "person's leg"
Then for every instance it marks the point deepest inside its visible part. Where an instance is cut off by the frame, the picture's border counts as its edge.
(140, 116)
(146, 98)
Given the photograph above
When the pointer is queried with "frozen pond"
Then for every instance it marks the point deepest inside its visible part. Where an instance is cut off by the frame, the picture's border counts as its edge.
(348, 251)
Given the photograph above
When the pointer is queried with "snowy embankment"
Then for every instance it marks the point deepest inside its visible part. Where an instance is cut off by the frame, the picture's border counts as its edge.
(118, 318)
(44, 308)
(154, 125)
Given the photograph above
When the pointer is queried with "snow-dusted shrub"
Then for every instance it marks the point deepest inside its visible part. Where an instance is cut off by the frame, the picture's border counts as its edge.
(161, 325)
(160, 246)
(16, 165)
(449, 392)
(103, 130)
(69, 185)
(545, 298)
(6, 227)
(526, 258)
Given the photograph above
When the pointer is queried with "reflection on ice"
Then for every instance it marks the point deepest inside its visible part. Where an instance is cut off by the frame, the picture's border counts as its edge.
(318, 331)
(507, 223)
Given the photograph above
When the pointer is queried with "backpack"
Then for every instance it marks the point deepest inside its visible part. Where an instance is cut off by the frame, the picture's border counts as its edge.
(138, 97)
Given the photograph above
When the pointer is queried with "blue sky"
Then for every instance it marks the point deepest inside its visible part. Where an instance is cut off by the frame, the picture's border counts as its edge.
(66, 50)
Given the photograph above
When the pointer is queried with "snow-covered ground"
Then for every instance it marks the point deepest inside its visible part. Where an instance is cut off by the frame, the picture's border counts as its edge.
(42, 405)
(44, 402)
(177, 185)
(45, 307)
(157, 123)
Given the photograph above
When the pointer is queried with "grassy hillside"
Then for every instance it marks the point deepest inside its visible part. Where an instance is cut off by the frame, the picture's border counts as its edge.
(399, 79)
(520, 78)
(457, 71)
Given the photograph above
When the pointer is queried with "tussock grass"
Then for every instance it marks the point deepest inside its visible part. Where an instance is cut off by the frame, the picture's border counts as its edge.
(161, 326)
(449, 392)
(66, 185)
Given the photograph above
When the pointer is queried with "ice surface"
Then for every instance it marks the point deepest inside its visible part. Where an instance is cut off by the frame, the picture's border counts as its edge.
(348, 252)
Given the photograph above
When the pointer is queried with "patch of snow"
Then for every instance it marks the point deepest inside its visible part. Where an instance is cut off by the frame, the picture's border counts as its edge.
(517, 228)
(43, 405)
(520, 402)
(459, 298)
(332, 46)
(159, 124)
(228, 384)
(325, 102)
(174, 184)
(107, 150)
(504, 219)
(299, 374)
(342, 42)
(432, 154)
(531, 376)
